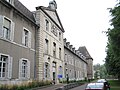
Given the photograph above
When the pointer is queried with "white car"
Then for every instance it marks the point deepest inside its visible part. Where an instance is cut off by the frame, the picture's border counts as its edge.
(101, 80)
(95, 86)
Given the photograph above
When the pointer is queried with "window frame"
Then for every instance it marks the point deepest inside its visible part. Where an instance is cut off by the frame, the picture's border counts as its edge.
(46, 25)
(28, 43)
(60, 36)
(27, 70)
(11, 29)
(8, 74)
(47, 70)
(54, 49)
(60, 53)
(46, 46)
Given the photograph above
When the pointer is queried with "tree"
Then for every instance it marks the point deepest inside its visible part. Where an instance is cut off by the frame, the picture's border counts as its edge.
(100, 71)
(113, 46)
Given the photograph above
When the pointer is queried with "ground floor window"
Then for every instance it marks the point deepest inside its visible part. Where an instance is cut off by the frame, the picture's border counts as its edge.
(47, 70)
(5, 66)
(24, 69)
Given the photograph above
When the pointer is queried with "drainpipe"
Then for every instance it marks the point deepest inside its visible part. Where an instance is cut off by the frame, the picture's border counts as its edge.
(35, 46)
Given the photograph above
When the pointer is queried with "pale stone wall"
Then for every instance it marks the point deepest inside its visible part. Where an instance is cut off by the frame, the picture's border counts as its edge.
(41, 56)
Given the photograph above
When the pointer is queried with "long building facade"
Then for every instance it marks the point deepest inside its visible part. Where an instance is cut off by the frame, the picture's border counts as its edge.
(75, 65)
(32, 46)
(89, 60)
(17, 42)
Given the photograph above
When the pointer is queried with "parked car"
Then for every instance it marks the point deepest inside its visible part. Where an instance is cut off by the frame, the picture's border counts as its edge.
(95, 86)
(106, 83)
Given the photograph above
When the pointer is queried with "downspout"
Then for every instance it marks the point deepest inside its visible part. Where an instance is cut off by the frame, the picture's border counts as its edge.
(35, 56)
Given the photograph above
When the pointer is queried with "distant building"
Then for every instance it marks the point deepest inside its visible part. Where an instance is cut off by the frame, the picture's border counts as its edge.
(50, 56)
(75, 66)
(17, 42)
(89, 60)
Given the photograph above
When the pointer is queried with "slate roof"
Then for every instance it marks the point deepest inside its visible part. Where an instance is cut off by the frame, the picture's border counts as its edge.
(85, 52)
(20, 7)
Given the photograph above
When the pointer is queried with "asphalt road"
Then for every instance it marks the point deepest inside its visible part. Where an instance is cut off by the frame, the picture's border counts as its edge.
(82, 87)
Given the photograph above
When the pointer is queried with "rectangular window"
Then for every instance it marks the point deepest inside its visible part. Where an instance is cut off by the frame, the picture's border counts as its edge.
(24, 68)
(6, 28)
(47, 70)
(47, 25)
(26, 38)
(59, 36)
(46, 46)
(3, 66)
(59, 53)
(54, 49)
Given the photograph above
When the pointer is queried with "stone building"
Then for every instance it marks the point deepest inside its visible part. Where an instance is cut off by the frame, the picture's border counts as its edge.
(50, 55)
(75, 66)
(89, 60)
(17, 42)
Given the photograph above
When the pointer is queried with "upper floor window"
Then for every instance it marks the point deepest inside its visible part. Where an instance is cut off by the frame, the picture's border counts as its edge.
(46, 46)
(24, 69)
(65, 58)
(6, 28)
(59, 53)
(5, 66)
(47, 25)
(26, 38)
(54, 49)
(59, 36)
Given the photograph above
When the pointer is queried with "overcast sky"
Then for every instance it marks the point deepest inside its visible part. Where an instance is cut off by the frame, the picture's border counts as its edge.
(83, 21)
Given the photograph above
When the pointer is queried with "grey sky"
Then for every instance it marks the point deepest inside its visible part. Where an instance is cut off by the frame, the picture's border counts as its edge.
(83, 21)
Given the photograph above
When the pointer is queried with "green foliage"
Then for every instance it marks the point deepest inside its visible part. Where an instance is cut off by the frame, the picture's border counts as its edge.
(100, 71)
(26, 86)
(115, 84)
(113, 47)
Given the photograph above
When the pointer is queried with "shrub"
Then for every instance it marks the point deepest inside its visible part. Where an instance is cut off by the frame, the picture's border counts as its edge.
(24, 86)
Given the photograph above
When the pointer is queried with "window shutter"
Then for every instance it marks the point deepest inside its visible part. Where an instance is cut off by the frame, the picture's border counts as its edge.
(29, 39)
(1, 25)
(12, 31)
(20, 69)
(23, 37)
(10, 60)
(28, 69)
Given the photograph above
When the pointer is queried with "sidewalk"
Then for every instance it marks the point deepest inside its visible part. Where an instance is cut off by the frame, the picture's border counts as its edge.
(52, 87)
